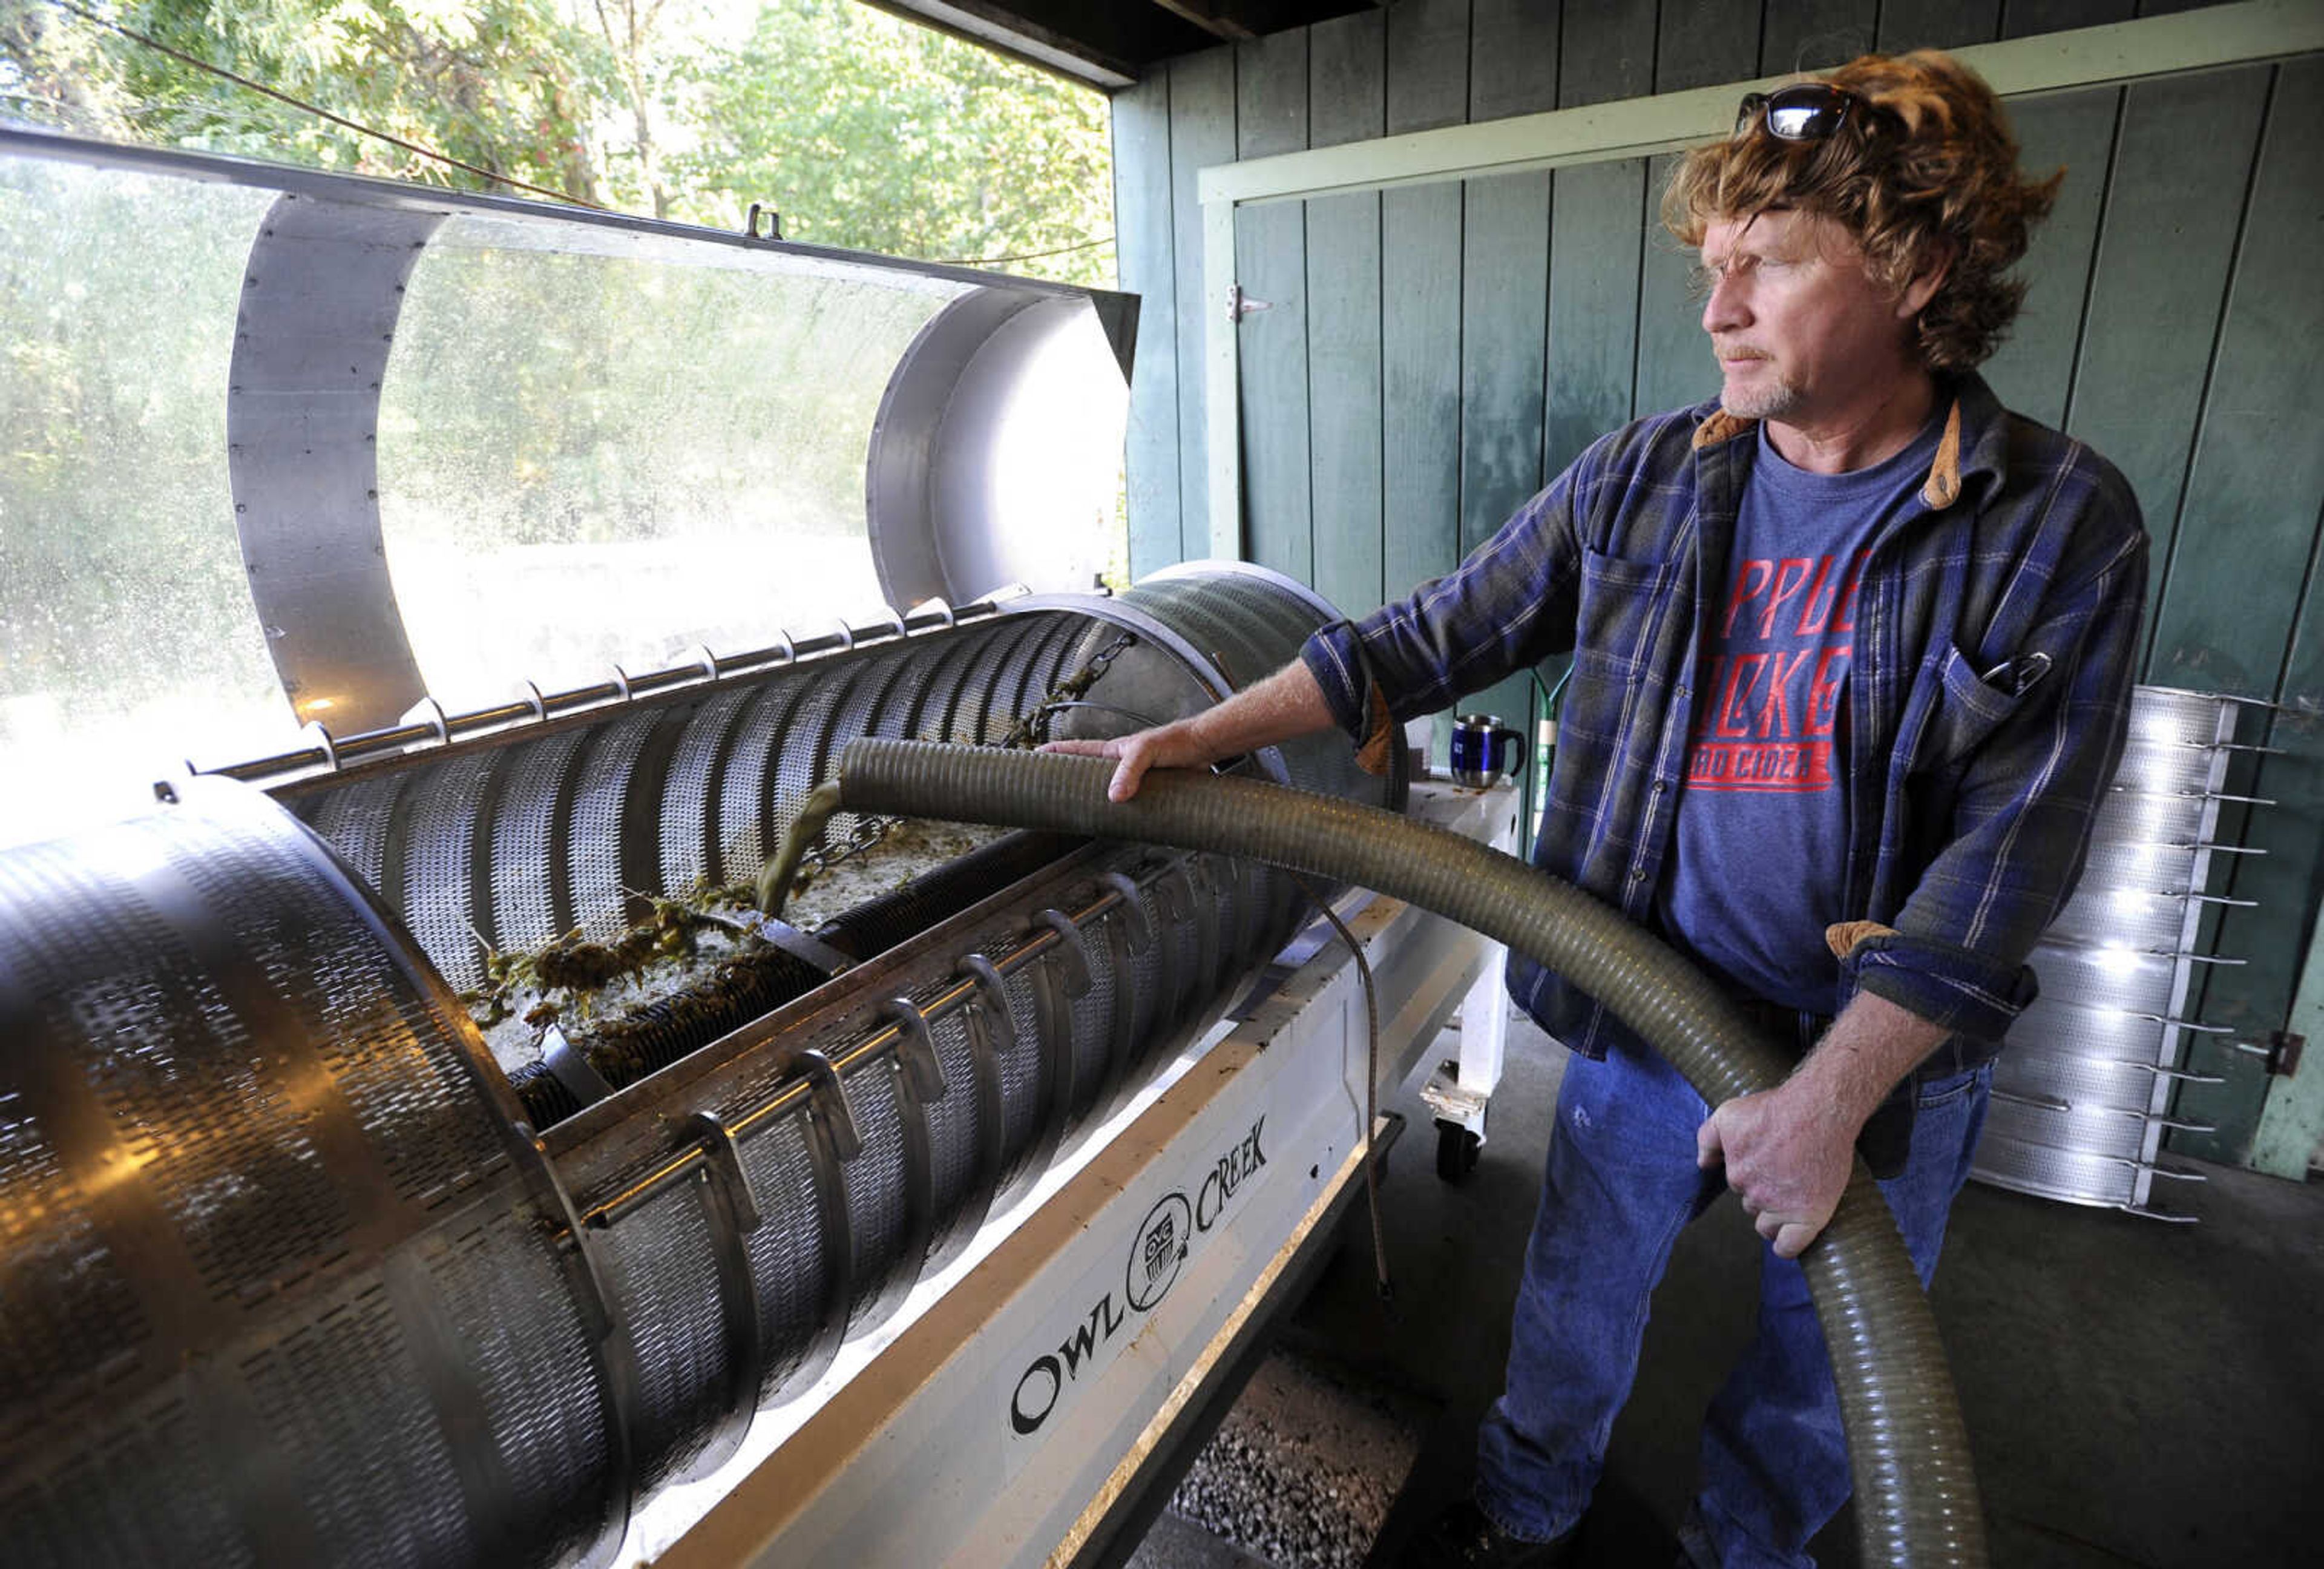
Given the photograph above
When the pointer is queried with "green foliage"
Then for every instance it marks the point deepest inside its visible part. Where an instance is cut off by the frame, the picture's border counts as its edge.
(505, 85)
(865, 131)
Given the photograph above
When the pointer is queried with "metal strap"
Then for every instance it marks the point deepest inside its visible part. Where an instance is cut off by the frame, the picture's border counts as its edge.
(916, 1050)
(730, 1206)
(1133, 911)
(1071, 951)
(910, 1259)
(990, 1126)
(2183, 1075)
(1119, 1035)
(435, 719)
(572, 1069)
(994, 992)
(2059, 1103)
(827, 1103)
(1052, 1031)
(799, 945)
(822, 1125)
(322, 735)
(454, 1389)
(1175, 897)
(726, 1168)
(612, 1352)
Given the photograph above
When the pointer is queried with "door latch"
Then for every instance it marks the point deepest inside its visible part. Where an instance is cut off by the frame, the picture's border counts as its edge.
(2280, 1047)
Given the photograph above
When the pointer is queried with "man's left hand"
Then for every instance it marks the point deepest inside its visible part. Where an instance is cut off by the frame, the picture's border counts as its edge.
(1789, 1150)
(1788, 1158)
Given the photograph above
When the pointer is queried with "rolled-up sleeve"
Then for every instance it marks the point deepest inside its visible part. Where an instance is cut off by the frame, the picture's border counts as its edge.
(1334, 655)
(2026, 798)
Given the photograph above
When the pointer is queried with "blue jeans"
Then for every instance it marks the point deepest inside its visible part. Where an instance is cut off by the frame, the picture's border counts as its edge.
(1621, 1182)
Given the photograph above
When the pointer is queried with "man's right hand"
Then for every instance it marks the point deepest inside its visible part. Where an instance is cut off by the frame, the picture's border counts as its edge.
(1287, 703)
(1165, 746)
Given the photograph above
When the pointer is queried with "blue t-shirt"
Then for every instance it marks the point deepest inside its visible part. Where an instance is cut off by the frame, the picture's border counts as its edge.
(1759, 852)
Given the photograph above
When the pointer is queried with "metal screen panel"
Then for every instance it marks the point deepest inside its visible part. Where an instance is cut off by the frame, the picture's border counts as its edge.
(786, 1253)
(661, 1266)
(2080, 1095)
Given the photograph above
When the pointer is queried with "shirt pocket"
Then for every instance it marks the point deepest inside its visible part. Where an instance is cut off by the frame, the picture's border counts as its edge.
(1968, 709)
(1619, 630)
(1624, 604)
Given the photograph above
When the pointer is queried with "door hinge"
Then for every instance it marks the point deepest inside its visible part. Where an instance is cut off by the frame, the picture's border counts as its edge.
(1239, 305)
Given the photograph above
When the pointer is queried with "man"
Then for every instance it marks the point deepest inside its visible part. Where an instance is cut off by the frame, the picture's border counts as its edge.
(1851, 660)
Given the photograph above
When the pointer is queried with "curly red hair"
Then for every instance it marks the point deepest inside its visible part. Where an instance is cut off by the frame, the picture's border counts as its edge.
(1931, 178)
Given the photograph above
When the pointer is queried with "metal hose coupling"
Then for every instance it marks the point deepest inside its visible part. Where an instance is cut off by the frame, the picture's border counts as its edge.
(1916, 1501)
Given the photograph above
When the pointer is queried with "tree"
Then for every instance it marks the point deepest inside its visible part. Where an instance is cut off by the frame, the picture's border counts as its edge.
(629, 28)
(508, 85)
(867, 131)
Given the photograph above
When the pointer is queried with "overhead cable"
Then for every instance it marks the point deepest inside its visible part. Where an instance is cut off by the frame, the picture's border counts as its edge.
(1024, 256)
(147, 41)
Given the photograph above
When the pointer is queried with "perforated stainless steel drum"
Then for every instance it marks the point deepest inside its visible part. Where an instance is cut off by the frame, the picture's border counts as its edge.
(287, 1278)
(265, 1252)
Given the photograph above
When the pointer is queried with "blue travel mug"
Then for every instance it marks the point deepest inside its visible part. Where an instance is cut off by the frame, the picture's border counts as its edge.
(1484, 750)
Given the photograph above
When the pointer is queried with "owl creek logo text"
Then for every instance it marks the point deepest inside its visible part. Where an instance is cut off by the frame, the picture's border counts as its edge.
(1156, 1253)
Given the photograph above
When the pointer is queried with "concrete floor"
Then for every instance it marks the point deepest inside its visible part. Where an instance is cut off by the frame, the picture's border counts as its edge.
(2136, 1393)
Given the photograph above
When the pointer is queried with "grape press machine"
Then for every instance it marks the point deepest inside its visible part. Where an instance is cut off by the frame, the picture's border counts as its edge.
(924, 1231)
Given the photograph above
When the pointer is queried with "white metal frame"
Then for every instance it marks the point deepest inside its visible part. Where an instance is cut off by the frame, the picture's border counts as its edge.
(2122, 51)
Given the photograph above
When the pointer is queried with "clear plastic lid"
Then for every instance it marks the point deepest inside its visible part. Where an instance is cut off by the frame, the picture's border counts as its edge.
(280, 447)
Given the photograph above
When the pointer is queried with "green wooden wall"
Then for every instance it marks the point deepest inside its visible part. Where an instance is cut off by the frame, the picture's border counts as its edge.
(1432, 353)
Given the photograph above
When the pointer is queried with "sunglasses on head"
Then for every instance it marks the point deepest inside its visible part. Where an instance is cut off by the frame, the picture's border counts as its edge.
(1808, 112)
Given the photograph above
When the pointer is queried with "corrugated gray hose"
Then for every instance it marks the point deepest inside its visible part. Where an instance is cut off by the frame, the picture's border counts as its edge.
(1916, 1502)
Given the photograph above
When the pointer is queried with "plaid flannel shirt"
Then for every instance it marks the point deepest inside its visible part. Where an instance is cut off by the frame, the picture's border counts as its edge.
(1996, 625)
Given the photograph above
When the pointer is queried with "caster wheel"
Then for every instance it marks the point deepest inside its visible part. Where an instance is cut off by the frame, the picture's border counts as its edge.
(1456, 1152)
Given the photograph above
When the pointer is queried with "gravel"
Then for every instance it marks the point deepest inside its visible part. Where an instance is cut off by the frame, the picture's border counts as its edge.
(1301, 1472)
